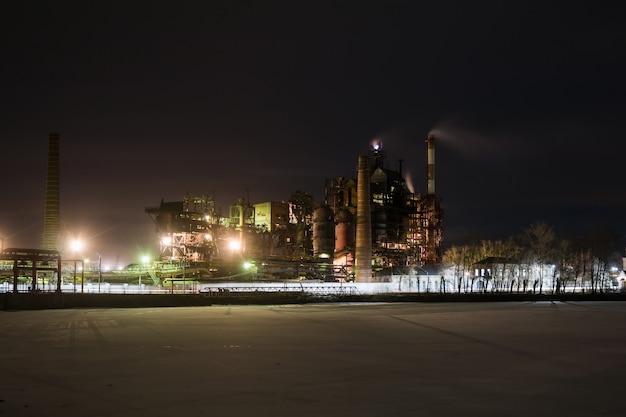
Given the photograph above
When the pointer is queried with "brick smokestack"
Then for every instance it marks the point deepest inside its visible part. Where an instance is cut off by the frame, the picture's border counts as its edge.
(363, 250)
(431, 164)
(51, 220)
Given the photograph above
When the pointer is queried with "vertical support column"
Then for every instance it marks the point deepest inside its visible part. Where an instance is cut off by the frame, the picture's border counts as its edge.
(16, 273)
(34, 273)
(59, 274)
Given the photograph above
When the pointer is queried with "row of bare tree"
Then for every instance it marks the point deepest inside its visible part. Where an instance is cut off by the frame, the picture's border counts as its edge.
(535, 259)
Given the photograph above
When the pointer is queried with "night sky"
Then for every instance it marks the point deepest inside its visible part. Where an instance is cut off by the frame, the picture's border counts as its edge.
(259, 99)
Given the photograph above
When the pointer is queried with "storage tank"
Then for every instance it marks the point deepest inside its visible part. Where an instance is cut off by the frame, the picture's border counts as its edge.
(344, 229)
(323, 233)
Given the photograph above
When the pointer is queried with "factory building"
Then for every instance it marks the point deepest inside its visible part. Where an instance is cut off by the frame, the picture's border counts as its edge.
(399, 228)
(193, 231)
(364, 226)
(187, 229)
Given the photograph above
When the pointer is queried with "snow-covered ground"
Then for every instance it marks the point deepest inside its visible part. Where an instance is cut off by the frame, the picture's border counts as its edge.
(400, 359)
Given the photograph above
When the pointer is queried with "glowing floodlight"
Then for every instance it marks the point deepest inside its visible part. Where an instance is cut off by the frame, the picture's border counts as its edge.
(76, 245)
(234, 245)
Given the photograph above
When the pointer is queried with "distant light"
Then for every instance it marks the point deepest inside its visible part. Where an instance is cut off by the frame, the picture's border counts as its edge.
(145, 259)
(166, 240)
(324, 255)
(207, 237)
(247, 265)
(234, 245)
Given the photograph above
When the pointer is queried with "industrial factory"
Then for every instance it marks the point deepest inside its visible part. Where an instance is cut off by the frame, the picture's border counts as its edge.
(365, 228)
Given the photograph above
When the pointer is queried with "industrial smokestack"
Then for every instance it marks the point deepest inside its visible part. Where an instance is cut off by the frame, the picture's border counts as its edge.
(51, 221)
(431, 164)
(363, 255)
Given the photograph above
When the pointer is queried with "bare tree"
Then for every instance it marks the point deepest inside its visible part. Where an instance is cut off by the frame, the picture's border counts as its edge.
(460, 259)
(562, 270)
(541, 239)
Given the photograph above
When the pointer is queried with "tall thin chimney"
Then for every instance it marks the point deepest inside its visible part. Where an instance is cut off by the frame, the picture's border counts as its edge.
(51, 221)
(431, 164)
(363, 250)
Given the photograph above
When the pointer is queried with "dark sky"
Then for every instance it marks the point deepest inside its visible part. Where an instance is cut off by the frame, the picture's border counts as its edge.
(232, 98)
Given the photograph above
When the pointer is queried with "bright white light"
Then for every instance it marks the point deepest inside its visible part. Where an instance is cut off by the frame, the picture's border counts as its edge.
(166, 240)
(324, 255)
(76, 245)
(234, 245)
(207, 237)
(247, 265)
(376, 144)
(145, 259)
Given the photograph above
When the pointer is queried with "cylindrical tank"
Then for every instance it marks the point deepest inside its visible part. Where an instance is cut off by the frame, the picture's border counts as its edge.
(323, 232)
(344, 229)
